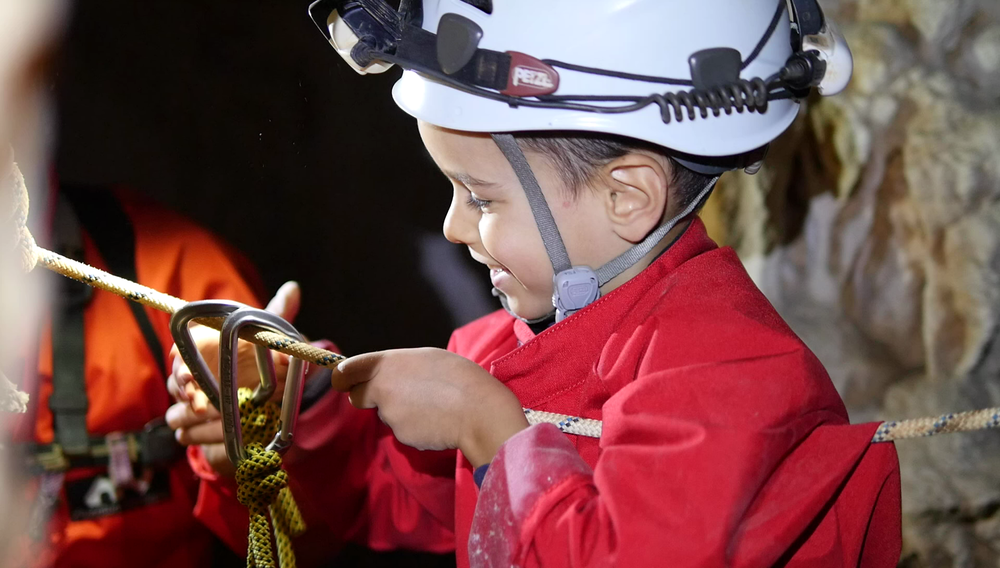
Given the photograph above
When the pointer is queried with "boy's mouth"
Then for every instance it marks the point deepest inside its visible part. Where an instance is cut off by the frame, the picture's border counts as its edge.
(499, 276)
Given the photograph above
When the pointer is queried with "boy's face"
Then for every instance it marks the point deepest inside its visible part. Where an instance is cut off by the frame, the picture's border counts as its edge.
(490, 214)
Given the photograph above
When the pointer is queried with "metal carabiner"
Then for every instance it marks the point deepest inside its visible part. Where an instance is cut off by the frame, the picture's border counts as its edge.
(186, 345)
(291, 397)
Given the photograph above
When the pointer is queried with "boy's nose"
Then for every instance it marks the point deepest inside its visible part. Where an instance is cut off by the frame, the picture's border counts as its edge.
(460, 224)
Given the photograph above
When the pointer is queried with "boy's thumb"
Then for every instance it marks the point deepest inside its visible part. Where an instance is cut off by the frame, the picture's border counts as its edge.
(286, 301)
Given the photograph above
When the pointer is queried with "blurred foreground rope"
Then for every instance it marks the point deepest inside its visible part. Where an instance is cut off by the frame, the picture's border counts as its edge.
(31, 253)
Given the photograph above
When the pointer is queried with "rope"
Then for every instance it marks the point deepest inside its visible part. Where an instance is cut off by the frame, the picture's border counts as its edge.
(888, 431)
(262, 487)
(166, 303)
(23, 241)
(587, 427)
(972, 420)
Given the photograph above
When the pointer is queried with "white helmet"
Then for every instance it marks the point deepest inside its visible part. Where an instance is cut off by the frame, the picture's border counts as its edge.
(711, 81)
(647, 69)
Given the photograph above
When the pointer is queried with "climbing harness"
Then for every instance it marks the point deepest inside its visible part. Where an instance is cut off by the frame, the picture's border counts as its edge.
(153, 449)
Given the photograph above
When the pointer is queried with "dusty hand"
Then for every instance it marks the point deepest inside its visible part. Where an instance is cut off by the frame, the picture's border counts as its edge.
(434, 400)
(195, 421)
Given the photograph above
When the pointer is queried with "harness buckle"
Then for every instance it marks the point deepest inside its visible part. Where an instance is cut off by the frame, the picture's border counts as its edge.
(52, 460)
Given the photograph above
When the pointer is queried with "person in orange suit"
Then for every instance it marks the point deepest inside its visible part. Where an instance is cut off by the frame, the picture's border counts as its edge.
(111, 485)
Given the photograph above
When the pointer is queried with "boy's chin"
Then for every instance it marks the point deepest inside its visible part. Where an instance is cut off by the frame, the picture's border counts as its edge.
(531, 312)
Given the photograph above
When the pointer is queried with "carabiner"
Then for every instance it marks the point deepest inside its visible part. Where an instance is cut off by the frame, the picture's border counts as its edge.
(291, 397)
(187, 348)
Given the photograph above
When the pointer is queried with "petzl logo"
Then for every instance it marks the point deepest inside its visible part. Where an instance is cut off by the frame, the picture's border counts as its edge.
(530, 76)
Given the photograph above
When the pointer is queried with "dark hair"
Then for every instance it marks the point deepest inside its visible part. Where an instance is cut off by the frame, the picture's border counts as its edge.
(578, 156)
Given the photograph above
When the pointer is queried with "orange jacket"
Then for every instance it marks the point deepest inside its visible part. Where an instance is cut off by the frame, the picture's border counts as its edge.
(126, 389)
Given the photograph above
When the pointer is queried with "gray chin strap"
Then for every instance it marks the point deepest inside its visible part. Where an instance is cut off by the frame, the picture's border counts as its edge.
(576, 287)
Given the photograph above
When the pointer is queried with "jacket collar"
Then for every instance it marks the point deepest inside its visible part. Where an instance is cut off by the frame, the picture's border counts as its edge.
(568, 350)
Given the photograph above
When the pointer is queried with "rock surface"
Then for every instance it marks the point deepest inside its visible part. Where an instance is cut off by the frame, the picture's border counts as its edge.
(874, 228)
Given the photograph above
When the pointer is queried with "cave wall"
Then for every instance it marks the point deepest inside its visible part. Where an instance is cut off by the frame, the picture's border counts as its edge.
(874, 228)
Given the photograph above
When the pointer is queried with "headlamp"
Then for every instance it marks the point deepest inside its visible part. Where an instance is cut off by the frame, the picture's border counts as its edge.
(372, 35)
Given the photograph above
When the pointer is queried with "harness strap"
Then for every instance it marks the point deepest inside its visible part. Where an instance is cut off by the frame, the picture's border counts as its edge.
(111, 229)
(99, 212)
(68, 401)
(154, 445)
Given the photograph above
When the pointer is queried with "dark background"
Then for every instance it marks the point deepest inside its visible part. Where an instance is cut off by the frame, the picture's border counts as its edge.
(240, 116)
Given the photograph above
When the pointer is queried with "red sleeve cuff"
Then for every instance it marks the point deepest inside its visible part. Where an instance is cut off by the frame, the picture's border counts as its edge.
(216, 506)
(533, 467)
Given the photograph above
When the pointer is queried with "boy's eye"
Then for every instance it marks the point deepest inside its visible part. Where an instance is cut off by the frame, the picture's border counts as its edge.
(476, 203)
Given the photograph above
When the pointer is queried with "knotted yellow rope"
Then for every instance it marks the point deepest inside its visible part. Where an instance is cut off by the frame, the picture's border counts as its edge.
(263, 485)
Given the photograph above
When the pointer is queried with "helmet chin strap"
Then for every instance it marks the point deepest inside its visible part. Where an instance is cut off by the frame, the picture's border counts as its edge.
(576, 287)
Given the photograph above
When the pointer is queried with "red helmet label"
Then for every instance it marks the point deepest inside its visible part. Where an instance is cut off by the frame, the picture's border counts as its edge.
(529, 77)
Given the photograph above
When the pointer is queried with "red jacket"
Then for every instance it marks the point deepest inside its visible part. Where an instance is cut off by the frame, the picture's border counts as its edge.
(724, 444)
(126, 389)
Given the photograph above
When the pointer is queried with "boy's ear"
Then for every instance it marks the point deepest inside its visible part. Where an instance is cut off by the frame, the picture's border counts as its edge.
(637, 195)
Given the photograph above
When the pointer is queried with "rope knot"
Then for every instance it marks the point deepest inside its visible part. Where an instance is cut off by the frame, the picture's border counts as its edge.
(262, 484)
(259, 478)
(258, 423)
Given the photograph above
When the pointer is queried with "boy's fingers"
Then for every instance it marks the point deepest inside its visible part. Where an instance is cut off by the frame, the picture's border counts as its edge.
(181, 415)
(207, 433)
(199, 400)
(357, 369)
(173, 383)
(173, 389)
(181, 383)
(286, 301)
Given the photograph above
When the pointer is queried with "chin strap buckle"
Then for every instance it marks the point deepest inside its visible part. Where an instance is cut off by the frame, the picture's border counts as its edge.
(574, 289)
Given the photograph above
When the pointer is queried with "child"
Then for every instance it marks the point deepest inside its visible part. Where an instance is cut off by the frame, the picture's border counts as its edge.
(724, 441)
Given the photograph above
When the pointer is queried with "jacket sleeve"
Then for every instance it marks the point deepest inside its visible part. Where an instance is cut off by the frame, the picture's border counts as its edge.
(353, 482)
(714, 465)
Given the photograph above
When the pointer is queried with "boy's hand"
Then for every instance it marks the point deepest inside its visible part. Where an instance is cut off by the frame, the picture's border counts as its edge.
(195, 421)
(434, 400)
